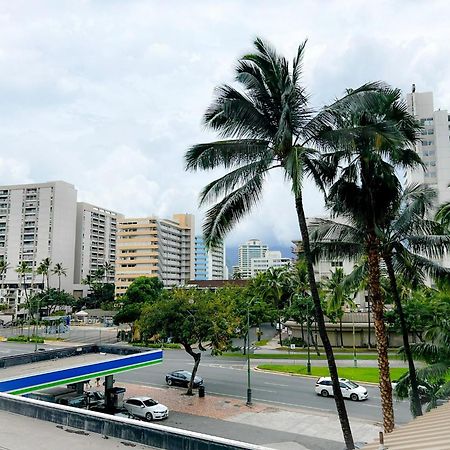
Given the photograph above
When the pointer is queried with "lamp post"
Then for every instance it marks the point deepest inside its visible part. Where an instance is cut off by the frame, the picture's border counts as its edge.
(249, 389)
(308, 332)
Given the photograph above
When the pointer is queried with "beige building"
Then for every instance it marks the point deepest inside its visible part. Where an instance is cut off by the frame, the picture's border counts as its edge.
(154, 247)
(95, 240)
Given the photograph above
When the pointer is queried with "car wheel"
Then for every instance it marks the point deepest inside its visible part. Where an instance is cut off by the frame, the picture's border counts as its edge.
(149, 417)
(354, 397)
(324, 393)
(169, 382)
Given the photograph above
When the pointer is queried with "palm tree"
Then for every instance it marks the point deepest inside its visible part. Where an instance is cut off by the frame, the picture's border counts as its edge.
(408, 241)
(44, 270)
(109, 269)
(23, 269)
(373, 136)
(4, 266)
(443, 215)
(265, 126)
(336, 296)
(59, 270)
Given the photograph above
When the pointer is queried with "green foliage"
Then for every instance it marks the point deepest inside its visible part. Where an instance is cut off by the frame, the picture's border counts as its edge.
(191, 317)
(143, 290)
(50, 300)
(155, 345)
(22, 338)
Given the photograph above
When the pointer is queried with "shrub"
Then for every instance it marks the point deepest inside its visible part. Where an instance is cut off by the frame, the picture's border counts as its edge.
(23, 338)
(152, 345)
(298, 341)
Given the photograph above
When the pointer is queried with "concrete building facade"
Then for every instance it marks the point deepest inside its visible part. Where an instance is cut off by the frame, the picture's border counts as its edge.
(270, 259)
(37, 221)
(96, 240)
(253, 248)
(153, 247)
(434, 145)
(209, 263)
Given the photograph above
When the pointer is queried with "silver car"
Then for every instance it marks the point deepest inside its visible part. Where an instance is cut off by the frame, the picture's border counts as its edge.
(146, 408)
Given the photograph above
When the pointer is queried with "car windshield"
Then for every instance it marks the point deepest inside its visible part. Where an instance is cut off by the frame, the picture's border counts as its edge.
(150, 402)
(352, 385)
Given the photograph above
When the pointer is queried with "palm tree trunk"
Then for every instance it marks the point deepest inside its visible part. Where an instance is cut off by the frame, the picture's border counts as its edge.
(416, 407)
(338, 398)
(340, 332)
(380, 332)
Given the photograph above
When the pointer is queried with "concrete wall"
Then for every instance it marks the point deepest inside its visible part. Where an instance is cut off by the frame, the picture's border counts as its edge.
(155, 435)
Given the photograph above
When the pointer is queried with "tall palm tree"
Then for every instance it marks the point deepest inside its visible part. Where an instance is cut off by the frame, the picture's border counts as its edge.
(266, 125)
(109, 270)
(44, 270)
(337, 295)
(408, 242)
(23, 269)
(4, 266)
(60, 271)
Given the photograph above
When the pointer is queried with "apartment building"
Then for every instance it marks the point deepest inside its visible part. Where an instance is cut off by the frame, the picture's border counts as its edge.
(96, 240)
(270, 259)
(37, 221)
(434, 145)
(153, 247)
(209, 263)
(251, 249)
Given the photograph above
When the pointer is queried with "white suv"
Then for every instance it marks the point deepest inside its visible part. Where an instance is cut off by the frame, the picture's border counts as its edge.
(146, 408)
(349, 389)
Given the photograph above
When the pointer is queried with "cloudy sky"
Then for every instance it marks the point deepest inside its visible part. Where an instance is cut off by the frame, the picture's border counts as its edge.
(109, 94)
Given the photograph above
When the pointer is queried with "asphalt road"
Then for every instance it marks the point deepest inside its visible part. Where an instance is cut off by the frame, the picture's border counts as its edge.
(228, 377)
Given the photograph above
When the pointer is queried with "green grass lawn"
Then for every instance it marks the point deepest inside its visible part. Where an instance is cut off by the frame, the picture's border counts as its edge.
(261, 343)
(363, 374)
(304, 356)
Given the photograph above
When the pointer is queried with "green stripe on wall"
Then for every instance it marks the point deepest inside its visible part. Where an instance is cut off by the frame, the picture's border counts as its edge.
(38, 387)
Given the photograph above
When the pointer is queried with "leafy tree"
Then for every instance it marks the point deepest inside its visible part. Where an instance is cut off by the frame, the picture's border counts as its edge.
(269, 125)
(142, 291)
(51, 300)
(192, 318)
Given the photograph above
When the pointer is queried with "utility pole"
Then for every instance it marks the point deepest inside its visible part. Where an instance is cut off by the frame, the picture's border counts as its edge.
(249, 389)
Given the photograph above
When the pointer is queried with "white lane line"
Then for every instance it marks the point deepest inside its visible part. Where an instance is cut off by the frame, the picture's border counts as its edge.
(263, 390)
(276, 384)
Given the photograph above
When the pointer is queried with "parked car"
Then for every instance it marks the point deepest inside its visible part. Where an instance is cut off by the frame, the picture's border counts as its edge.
(146, 408)
(182, 378)
(349, 389)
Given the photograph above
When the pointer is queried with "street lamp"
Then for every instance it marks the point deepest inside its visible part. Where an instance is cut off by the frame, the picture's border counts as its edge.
(308, 332)
(249, 389)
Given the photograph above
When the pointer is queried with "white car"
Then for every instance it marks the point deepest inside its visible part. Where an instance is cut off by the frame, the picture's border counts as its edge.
(349, 388)
(146, 408)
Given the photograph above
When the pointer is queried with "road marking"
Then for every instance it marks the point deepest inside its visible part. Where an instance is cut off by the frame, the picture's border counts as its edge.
(264, 390)
(276, 384)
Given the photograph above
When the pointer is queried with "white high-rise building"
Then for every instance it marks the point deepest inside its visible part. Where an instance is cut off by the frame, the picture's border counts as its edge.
(95, 241)
(434, 145)
(270, 259)
(37, 221)
(209, 264)
(251, 249)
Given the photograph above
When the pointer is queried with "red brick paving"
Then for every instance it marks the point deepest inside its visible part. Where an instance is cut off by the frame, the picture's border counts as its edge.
(217, 407)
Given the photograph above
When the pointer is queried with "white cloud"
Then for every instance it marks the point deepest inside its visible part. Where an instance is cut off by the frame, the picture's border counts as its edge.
(109, 95)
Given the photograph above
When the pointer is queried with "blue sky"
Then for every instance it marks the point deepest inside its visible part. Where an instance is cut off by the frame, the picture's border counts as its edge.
(108, 95)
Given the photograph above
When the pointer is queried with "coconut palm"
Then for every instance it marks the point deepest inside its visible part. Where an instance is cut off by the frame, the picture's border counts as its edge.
(60, 271)
(4, 266)
(23, 269)
(266, 125)
(337, 295)
(109, 270)
(443, 215)
(373, 136)
(408, 243)
(44, 270)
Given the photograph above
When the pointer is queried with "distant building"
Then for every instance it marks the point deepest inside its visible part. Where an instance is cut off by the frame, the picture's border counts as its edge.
(433, 146)
(153, 247)
(270, 259)
(37, 221)
(209, 263)
(251, 249)
(95, 241)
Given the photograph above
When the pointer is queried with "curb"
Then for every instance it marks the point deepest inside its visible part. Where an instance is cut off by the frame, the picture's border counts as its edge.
(274, 372)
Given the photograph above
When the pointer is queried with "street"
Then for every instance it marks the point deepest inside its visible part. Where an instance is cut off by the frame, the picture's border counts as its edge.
(228, 377)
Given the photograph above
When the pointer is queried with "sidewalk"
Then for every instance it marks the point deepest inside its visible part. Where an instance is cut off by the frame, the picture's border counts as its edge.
(274, 427)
